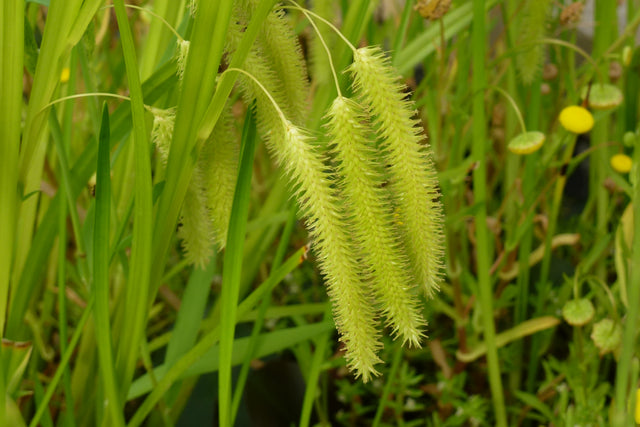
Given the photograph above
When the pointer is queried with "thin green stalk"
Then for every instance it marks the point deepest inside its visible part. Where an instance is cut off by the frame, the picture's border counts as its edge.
(483, 250)
(402, 31)
(66, 179)
(101, 277)
(259, 321)
(62, 246)
(205, 53)
(604, 35)
(60, 17)
(623, 388)
(137, 290)
(315, 368)
(11, 69)
(232, 268)
(544, 286)
(210, 339)
(64, 363)
(11, 66)
(386, 393)
(62, 302)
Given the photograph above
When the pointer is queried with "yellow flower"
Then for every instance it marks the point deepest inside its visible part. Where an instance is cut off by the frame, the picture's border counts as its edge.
(576, 119)
(64, 75)
(621, 163)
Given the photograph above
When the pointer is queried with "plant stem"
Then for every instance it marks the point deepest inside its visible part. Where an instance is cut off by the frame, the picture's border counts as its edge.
(483, 249)
(232, 268)
(137, 290)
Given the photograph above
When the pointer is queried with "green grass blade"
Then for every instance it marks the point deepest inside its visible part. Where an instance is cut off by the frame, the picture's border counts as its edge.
(200, 349)
(11, 57)
(232, 267)
(268, 343)
(101, 274)
(137, 290)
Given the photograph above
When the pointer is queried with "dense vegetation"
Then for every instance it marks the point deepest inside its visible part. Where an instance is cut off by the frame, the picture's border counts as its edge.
(386, 212)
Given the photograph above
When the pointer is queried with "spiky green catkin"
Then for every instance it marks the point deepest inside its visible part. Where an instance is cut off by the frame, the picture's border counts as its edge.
(256, 64)
(412, 174)
(529, 62)
(195, 230)
(278, 45)
(162, 129)
(218, 166)
(328, 226)
(374, 227)
(181, 58)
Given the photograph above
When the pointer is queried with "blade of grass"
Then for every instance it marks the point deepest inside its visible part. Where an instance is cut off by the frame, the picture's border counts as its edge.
(192, 308)
(232, 266)
(101, 276)
(259, 321)
(198, 351)
(483, 251)
(137, 290)
(386, 393)
(11, 69)
(268, 343)
(205, 53)
(11, 58)
(64, 363)
(315, 368)
(84, 167)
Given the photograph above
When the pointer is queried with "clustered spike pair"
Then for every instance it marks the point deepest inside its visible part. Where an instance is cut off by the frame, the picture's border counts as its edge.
(374, 217)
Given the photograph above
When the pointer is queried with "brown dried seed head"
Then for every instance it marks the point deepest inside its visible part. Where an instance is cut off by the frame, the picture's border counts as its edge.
(433, 9)
(550, 71)
(615, 70)
(572, 13)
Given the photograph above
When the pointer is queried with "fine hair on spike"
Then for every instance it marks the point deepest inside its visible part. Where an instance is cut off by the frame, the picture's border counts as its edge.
(361, 179)
(413, 182)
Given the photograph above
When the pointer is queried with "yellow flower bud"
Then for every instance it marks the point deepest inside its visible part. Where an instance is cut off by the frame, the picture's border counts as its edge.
(64, 75)
(576, 119)
(621, 163)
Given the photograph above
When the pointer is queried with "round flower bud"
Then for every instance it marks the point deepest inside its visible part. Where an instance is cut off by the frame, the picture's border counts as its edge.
(606, 335)
(576, 119)
(578, 312)
(621, 163)
(603, 96)
(526, 142)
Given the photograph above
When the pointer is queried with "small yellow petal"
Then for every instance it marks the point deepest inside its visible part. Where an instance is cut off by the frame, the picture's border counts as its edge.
(576, 119)
(621, 163)
(64, 75)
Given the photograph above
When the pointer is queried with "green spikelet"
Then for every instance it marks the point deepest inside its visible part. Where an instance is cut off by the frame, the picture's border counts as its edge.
(162, 129)
(181, 59)
(195, 229)
(353, 312)
(256, 64)
(277, 44)
(529, 62)
(374, 226)
(218, 167)
(411, 170)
